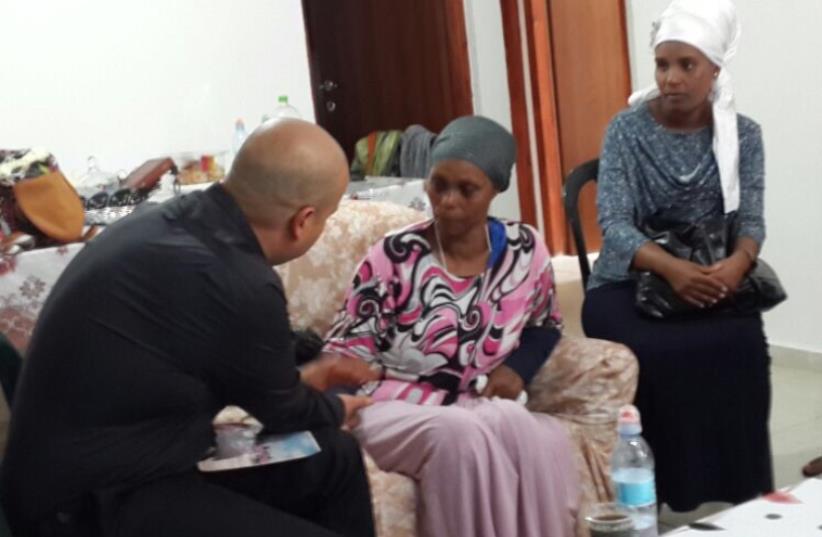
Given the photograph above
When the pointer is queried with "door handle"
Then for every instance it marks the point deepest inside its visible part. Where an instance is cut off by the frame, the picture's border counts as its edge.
(328, 85)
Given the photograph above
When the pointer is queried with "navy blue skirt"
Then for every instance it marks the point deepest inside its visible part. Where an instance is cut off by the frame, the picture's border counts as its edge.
(704, 395)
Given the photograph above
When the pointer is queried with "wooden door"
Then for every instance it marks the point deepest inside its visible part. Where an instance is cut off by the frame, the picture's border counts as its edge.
(592, 82)
(386, 64)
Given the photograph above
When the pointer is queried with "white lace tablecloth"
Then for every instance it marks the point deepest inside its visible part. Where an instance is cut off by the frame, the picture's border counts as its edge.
(405, 192)
(26, 280)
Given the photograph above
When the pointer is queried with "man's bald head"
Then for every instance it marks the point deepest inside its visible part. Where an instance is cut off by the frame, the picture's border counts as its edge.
(285, 165)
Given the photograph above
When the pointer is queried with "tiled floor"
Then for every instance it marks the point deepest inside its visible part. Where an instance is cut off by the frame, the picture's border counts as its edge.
(796, 414)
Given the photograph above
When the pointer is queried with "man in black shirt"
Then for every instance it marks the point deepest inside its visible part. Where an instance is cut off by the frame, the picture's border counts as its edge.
(157, 324)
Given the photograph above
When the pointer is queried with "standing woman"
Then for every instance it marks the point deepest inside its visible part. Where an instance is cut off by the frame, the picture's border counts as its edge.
(682, 153)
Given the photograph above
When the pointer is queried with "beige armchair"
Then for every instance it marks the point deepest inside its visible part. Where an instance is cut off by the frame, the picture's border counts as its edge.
(583, 383)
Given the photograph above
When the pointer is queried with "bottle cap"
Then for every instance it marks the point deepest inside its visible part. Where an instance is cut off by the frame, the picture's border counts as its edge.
(628, 421)
(282, 99)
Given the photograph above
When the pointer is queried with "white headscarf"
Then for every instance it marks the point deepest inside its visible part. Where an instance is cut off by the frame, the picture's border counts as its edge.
(712, 27)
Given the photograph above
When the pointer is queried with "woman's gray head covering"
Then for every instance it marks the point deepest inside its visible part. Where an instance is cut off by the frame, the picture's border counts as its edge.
(482, 142)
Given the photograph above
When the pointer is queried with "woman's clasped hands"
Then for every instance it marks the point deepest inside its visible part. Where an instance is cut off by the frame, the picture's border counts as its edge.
(706, 286)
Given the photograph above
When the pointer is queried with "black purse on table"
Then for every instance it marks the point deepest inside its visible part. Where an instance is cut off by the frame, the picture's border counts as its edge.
(704, 243)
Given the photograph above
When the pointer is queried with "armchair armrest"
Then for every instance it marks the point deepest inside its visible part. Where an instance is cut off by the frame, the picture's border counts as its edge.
(583, 384)
(585, 381)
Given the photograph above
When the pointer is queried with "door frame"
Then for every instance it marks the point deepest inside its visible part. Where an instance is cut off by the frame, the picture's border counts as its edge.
(530, 58)
(535, 45)
(459, 60)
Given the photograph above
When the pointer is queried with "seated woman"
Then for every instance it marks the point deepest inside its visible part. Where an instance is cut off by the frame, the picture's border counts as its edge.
(442, 308)
(682, 153)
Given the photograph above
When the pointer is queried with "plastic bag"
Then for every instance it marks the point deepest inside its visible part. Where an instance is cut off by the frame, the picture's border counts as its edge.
(704, 243)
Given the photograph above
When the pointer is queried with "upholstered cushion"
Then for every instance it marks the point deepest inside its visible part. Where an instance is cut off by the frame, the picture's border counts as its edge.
(316, 282)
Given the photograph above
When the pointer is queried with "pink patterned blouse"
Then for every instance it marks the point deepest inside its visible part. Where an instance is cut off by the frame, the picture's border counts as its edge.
(433, 333)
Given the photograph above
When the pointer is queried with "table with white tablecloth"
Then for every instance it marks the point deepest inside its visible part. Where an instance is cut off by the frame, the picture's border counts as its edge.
(403, 191)
(26, 279)
(407, 192)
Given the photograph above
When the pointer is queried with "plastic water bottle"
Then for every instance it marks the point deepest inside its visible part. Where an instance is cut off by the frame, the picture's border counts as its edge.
(237, 140)
(240, 135)
(283, 110)
(632, 469)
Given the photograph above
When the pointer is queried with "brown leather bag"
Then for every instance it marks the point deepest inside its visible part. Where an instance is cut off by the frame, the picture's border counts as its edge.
(52, 205)
(36, 201)
(148, 174)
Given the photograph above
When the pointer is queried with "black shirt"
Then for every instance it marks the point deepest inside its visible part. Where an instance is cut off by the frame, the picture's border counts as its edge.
(158, 323)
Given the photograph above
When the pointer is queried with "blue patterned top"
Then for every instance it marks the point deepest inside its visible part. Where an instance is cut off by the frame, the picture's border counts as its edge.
(647, 170)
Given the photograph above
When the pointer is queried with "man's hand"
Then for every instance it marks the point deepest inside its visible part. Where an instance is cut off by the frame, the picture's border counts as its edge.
(504, 382)
(334, 370)
(352, 405)
(732, 270)
(694, 283)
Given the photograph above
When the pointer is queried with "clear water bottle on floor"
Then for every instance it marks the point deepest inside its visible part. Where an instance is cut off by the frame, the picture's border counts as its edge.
(632, 469)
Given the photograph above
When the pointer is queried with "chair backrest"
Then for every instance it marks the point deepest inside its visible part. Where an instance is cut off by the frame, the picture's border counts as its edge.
(574, 183)
(316, 282)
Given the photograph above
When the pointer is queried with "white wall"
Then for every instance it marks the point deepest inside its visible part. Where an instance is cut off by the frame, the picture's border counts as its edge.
(777, 81)
(127, 81)
(489, 81)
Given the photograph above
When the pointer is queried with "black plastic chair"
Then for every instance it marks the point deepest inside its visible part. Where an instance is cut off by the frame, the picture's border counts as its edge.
(10, 365)
(574, 183)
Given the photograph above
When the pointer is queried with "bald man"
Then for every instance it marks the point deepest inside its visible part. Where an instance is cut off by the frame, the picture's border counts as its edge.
(161, 321)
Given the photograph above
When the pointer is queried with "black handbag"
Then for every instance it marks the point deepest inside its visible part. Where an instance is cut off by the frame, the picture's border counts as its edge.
(704, 243)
